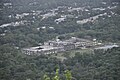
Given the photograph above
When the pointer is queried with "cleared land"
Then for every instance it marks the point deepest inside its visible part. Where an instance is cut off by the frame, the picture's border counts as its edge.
(72, 53)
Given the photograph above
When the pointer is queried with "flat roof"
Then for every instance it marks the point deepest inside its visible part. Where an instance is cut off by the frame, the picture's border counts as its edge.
(43, 48)
(107, 47)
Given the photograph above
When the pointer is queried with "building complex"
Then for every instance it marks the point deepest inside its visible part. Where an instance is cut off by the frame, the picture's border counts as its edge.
(57, 46)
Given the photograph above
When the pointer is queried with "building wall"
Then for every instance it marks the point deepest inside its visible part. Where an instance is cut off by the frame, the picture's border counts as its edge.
(62, 46)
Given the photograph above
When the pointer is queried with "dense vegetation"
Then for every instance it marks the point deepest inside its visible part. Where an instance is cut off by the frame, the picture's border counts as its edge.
(98, 66)
(102, 65)
(105, 28)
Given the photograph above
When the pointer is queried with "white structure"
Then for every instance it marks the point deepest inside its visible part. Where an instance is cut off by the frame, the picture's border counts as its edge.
(107, 47)
(47, 15)
(91, 19)
(62, 19)
(58, 46)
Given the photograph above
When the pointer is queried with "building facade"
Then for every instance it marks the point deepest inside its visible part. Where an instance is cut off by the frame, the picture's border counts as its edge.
(51, 47)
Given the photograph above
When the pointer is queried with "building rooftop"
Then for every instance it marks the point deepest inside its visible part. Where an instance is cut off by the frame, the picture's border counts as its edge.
(41, 48)
(107, 47)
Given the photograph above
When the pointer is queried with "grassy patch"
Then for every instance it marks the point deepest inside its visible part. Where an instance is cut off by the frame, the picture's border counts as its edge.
(65, 55)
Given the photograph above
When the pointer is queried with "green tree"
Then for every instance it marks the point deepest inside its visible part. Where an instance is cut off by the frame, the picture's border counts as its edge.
(46, 77)
(68, 75)
(56, 77)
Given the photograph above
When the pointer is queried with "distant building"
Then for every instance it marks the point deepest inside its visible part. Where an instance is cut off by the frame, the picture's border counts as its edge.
(39, 50)
(59, 20)
(107, 47)
(58, 46)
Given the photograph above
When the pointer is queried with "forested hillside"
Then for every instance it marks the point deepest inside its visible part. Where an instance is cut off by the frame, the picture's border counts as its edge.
(98, 66)
(27, 23)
